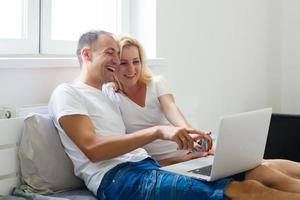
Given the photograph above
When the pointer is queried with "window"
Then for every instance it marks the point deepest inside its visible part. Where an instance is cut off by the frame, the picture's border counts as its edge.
(64, 20)
(52, 27)
(19, 28)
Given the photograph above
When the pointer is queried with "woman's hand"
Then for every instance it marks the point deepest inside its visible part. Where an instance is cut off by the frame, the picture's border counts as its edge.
(206, 136)
(116, 84)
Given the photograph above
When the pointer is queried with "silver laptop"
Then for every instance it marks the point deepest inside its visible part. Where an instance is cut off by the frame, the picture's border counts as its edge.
(240, 147)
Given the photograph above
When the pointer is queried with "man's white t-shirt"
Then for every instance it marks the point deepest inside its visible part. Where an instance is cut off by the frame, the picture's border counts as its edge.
(136, 117)
(82, 99)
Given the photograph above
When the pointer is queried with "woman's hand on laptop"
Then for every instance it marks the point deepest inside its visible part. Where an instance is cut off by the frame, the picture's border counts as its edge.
(203, 140)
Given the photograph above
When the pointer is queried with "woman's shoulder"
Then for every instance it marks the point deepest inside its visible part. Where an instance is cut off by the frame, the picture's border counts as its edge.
(158, 79)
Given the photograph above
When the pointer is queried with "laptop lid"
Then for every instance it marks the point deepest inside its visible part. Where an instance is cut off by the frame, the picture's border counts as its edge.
(241, 142)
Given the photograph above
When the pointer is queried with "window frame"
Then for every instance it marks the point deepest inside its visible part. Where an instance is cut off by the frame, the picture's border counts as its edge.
(30, 44)
(39, 43)
(65, 47)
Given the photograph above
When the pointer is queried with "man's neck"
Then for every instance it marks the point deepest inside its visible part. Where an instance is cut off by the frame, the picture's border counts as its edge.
(93, 83)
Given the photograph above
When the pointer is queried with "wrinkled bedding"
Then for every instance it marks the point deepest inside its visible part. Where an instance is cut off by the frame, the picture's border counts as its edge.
(70, 195)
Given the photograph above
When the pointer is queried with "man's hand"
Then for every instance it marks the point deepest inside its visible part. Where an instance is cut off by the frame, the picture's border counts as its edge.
(184, 137)
(179, 135)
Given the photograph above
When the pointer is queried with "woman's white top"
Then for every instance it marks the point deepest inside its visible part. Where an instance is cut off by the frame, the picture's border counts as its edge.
(136, 117)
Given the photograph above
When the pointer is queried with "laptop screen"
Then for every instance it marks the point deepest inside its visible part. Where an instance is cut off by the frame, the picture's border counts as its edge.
(284, 137)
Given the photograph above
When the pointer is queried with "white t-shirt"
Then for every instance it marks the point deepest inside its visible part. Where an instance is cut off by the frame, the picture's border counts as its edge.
(136, 117)
(79, 98)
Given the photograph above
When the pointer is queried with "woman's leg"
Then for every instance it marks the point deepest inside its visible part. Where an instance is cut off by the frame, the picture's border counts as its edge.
(287, 167)
(253, 190)
(274, 178)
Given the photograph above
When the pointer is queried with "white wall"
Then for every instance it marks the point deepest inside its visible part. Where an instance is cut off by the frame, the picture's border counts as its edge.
(290, 95)
(27, 86)
(224, 56)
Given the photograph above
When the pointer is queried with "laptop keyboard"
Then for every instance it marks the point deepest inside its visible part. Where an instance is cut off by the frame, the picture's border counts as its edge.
(203, 170)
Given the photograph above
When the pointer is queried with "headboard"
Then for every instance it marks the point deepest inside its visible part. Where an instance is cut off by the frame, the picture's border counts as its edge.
(10, 132)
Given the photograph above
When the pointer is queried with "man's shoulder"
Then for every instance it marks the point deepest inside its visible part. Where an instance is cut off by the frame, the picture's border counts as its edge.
(64, 87)
(65, 90)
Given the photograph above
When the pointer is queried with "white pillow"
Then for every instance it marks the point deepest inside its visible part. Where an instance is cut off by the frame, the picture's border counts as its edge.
(45, 167)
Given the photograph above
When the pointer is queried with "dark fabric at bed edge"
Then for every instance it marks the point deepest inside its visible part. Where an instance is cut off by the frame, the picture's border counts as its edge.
(70, 195)
(284, 137)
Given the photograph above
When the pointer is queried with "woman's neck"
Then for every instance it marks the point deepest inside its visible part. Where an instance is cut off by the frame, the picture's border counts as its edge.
(131, 90)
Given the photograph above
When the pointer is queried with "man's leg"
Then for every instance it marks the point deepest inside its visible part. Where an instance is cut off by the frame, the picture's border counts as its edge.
(287, 167)
(254, 190)
(274, 179)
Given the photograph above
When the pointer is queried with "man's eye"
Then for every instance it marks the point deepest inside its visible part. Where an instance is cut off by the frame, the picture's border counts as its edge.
(123, 63)
(110, 52)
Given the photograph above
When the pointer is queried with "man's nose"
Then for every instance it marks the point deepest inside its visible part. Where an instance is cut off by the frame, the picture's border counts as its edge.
(116, 59)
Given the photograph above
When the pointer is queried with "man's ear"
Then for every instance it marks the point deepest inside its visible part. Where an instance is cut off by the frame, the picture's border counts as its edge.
(86, 54)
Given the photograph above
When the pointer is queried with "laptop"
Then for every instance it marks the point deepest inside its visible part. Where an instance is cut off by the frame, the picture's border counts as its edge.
(240, 147)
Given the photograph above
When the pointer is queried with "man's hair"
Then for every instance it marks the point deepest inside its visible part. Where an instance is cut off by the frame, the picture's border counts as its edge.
(124, 42)
(88, 39)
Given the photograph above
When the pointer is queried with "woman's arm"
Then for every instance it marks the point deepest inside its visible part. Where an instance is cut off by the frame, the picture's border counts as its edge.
(172, 112)
(176, 118)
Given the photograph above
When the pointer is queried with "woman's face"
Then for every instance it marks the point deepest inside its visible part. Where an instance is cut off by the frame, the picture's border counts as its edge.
(130, 68)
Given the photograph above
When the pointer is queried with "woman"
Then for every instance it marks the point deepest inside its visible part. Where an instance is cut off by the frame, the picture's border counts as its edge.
(145, 101)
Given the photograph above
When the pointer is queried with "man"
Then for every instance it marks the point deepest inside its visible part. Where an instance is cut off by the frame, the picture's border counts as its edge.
(111, 163)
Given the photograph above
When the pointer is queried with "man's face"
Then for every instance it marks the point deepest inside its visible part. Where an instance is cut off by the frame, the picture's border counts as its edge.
(104, 58)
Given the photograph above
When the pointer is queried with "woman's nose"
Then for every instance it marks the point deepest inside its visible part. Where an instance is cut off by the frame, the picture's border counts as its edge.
(130, 67)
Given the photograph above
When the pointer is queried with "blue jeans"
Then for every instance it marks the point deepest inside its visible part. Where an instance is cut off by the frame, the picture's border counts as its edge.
(144, 180)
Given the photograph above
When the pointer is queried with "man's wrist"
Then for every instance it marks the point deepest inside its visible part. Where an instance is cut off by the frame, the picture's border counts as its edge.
(157, 132)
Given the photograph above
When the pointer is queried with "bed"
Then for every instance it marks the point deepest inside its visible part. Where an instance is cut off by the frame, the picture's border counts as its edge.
(11, 182)
(12, 129)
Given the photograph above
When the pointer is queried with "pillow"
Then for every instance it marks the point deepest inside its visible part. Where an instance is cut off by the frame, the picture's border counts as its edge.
(45, 167)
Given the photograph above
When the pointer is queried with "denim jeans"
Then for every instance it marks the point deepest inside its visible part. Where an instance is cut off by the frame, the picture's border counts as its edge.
(144, 180)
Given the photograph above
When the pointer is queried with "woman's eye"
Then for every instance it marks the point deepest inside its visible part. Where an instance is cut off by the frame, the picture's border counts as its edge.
(123, 63)
(136, 62)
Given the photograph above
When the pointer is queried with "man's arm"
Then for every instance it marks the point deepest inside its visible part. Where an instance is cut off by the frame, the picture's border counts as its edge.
(96, 147)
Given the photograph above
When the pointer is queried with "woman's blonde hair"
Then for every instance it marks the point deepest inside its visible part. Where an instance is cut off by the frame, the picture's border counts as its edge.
(124, 42)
